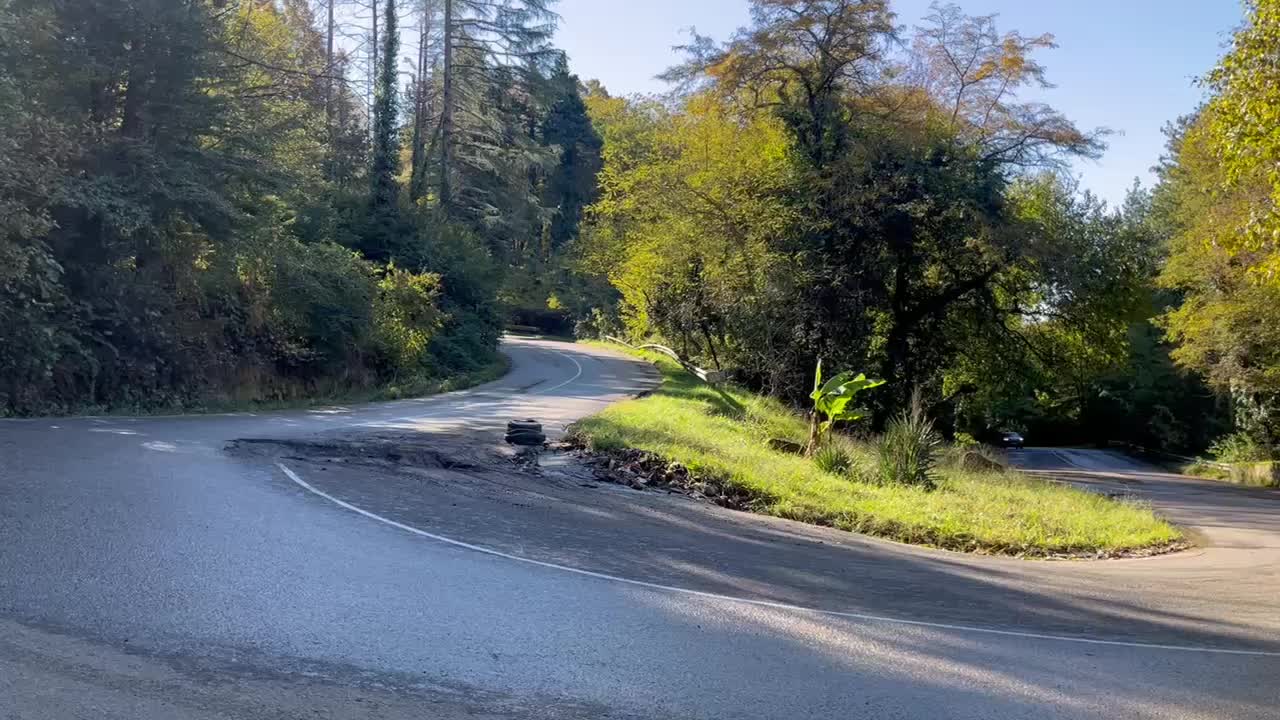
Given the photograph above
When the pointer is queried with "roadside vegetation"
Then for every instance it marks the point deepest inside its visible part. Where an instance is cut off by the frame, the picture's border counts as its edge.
(208, 203)
(1238, 458)
(732, 435)
(827, 183)
(328, 394)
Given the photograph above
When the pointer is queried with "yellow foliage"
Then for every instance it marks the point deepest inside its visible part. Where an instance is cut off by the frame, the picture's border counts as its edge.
(406, 316)
(689, 203)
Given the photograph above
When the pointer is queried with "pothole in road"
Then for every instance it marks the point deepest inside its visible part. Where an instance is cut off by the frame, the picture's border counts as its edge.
(423, 453)
(434, 452)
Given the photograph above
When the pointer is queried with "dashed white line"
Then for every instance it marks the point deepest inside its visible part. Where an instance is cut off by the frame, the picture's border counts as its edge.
(761, 603)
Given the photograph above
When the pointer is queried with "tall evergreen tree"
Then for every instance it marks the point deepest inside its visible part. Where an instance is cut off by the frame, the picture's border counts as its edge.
(384, 197)
(484, 40)
(386, 128)
(571, 186)
(423, 97)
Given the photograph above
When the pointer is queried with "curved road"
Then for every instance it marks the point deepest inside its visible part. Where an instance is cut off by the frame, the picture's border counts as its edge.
(146, 572)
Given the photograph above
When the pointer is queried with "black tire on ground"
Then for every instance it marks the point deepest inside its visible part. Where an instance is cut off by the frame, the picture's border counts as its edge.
(526, 437)
(524, 425)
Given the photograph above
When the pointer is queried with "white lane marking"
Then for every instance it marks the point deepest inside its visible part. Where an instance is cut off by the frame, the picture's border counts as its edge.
(759, 603)
(566, 382)
(496, 401)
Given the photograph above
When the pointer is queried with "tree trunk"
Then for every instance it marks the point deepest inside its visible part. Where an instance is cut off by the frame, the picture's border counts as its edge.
(811, 448)
(446, 111)
(373, 62)
(711, 345)
(329, 65)
(418, 163)
(330, 69)
(135, 90)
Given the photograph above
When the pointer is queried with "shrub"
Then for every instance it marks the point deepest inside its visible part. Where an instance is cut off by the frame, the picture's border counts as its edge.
(596, 325)
(406, 317)
(833, 459)
(1203, 469)
(831, 403)
(909, 449)
(1239, 448)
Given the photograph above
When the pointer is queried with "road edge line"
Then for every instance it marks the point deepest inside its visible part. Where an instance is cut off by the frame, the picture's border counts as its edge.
(576, 375)
(759, 603)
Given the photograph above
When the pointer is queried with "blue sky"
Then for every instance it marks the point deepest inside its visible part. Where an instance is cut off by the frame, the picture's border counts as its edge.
(1128, 65)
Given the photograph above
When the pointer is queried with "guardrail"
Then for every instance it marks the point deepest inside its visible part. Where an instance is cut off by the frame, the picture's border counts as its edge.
(1141, 450)
(1256, 474)
(711, 377)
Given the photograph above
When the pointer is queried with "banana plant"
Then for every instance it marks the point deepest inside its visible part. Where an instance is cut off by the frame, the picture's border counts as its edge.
(832, 403)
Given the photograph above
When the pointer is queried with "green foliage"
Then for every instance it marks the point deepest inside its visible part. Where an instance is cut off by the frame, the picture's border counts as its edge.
(571, 186)
(833, 459)
(308, 306)
(690, 205)
(722, 434)
(1240, 448)
(406, 317)
(909, 449)
(1239, 124)
(831, 399)
(205, 173)
(805, 200)
(1217, 201)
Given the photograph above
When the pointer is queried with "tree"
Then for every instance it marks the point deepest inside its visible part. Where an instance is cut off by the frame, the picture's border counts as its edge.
(1218, 201)
(174, 178)
(802, 57)
(483, 41)
(1046, 345)
(882, 227)
(571, 186)
(1240, 123)
(1224, 325)
(975, 74)
(386, 121)
(903, 173)
(689, 205)
(424, 98)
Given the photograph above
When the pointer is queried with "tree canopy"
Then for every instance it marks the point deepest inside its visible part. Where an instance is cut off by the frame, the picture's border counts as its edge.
(813, 195)
(207, 201)
(196, 206)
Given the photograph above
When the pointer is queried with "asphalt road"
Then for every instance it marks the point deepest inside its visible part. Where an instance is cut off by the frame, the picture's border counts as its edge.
(147, 573)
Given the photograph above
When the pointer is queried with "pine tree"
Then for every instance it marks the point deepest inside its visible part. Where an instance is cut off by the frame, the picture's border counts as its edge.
(386, 131)
(382, 236)
(571, 186)
(484, 40)
(424, 137)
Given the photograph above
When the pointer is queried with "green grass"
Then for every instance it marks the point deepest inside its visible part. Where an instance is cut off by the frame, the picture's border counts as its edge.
(1204, 470)
(723, 433)
(334, 394)
(1254, 474)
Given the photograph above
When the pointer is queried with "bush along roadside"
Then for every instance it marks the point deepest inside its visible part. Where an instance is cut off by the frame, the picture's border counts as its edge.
(745, 451)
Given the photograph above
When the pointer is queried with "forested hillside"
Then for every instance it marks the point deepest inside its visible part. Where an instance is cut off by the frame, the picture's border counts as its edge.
(827, 183)
(213, 201)
(222, 201)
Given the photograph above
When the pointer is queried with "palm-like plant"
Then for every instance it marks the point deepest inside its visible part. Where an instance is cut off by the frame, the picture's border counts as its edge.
(832, 403)
(910, 447)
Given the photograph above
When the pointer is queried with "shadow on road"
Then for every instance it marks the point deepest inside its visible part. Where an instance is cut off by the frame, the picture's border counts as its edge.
(672, 541)
(575, 521)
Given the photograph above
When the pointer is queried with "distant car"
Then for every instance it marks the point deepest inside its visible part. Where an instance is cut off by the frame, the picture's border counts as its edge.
(1012, 440)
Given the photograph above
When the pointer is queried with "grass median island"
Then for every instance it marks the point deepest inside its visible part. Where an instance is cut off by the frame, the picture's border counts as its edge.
(724, 433)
